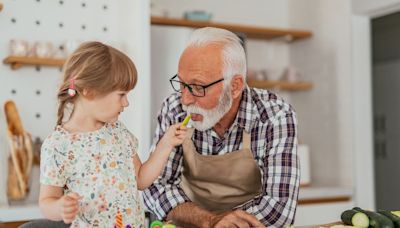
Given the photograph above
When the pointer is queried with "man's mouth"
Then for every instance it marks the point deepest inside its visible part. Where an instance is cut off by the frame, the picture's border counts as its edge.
(196, 117)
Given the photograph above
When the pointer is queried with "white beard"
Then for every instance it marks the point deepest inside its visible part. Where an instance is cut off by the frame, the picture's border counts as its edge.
(211, 116)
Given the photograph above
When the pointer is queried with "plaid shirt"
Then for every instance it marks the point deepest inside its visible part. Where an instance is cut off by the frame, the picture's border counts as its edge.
(273, 127)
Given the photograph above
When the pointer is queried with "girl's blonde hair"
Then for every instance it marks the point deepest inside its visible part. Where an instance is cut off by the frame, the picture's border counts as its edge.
(100, 69)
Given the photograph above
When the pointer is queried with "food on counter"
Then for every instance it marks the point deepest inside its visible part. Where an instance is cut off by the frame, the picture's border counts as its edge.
(376, 220)
(392, 216)
(355, 218)
(358, 217)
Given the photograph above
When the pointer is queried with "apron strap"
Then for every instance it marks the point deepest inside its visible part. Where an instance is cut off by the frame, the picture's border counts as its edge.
(246, 140)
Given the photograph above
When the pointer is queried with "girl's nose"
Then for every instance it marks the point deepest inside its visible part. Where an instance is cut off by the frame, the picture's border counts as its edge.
(125, 102)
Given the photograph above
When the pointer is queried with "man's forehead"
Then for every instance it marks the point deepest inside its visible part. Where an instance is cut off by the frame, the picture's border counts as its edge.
(213, 48)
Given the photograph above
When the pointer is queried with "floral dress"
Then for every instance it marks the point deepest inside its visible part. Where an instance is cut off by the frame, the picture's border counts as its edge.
(98, 166)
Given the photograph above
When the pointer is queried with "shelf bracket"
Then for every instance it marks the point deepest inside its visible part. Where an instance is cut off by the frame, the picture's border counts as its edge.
(16, 66)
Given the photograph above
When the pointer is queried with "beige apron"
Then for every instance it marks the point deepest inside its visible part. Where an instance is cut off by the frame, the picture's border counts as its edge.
(220, 182)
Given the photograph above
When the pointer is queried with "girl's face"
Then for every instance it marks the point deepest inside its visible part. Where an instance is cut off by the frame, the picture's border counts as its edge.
(107, 108)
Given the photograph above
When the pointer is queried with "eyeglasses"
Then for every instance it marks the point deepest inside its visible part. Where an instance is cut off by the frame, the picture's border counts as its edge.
(194, 89)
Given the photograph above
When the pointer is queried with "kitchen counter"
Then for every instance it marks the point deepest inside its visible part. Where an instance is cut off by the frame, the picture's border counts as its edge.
(307, 195)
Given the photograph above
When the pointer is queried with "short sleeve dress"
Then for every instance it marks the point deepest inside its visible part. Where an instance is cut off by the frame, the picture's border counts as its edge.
(98, 166)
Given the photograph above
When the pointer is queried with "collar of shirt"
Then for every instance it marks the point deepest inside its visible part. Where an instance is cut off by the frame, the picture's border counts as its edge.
(246, 116)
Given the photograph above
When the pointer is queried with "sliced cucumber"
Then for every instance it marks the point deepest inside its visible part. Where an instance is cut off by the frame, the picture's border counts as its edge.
(376, 220)
(397, 213)
(360, 220)
(395, 219)
(355, 218)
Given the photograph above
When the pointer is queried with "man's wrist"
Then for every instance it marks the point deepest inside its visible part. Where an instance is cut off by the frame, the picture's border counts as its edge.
(209, 221)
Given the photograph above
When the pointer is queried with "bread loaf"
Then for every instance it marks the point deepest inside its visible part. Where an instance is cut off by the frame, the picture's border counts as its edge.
(21, 155)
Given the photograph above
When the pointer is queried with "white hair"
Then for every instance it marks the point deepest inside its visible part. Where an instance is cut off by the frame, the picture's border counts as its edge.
(234, 57)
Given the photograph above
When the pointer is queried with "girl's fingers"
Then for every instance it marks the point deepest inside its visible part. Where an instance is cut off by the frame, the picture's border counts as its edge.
(68, 218)
(70, 202)
(74, 195)
(180, 127)
(69, 210)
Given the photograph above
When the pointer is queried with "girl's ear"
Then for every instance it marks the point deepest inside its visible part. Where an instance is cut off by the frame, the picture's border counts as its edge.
(88, 94)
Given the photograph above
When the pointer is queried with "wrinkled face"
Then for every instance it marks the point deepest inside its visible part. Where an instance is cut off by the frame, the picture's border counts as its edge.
(202, 66)
(107, 108)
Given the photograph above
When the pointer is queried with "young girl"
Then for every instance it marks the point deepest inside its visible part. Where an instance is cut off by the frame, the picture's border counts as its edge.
(90, 169)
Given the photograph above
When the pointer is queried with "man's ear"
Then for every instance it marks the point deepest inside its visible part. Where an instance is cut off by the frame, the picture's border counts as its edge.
(237, 84)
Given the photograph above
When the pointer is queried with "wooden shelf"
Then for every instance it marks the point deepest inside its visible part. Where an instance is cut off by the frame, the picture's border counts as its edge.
(282, 85)
(324, 200)
(250, 31)
(19, 61)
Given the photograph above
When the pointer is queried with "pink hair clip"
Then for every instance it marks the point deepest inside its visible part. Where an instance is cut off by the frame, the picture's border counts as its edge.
(71, 89)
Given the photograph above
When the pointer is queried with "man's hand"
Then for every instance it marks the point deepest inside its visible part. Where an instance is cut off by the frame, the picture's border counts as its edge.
(237, 218)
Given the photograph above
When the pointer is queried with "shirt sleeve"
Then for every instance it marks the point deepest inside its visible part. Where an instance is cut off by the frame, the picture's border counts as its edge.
(165, 194)
(53, 164)
(133, 143)
(276, 206)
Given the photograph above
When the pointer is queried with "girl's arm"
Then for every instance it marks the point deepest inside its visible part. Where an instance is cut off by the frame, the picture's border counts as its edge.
(147, 172)
(56, 206)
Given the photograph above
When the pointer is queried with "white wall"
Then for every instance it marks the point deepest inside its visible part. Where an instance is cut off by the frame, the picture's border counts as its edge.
(362, 116)
(323, 112)
(252, 12)
(375, 8)
(167, 44)
(135, 38)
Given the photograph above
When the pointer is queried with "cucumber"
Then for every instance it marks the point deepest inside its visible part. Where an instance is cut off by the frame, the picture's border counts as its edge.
(355, 218)
(395, 219)
(396, 213)
(376, 220)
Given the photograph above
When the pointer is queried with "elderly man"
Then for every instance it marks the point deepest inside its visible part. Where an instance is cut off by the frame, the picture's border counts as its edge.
(238, 166)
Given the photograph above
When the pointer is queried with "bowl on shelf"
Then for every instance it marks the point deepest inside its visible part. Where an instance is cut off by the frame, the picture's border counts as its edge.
(197, 15)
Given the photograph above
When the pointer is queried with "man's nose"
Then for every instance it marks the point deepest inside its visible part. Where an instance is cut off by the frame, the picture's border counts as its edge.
(187, 97)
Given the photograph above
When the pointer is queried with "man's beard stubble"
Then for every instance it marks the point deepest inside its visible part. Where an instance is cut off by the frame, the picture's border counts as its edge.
(211, 116)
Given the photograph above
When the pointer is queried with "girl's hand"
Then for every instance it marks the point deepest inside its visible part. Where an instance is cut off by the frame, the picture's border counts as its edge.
(174, 136)
(69, 206)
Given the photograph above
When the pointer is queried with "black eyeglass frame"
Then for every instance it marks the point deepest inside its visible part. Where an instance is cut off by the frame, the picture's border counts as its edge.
(189, 86)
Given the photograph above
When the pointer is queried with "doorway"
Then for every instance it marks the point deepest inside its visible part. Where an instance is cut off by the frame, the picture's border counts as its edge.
(385, 37)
